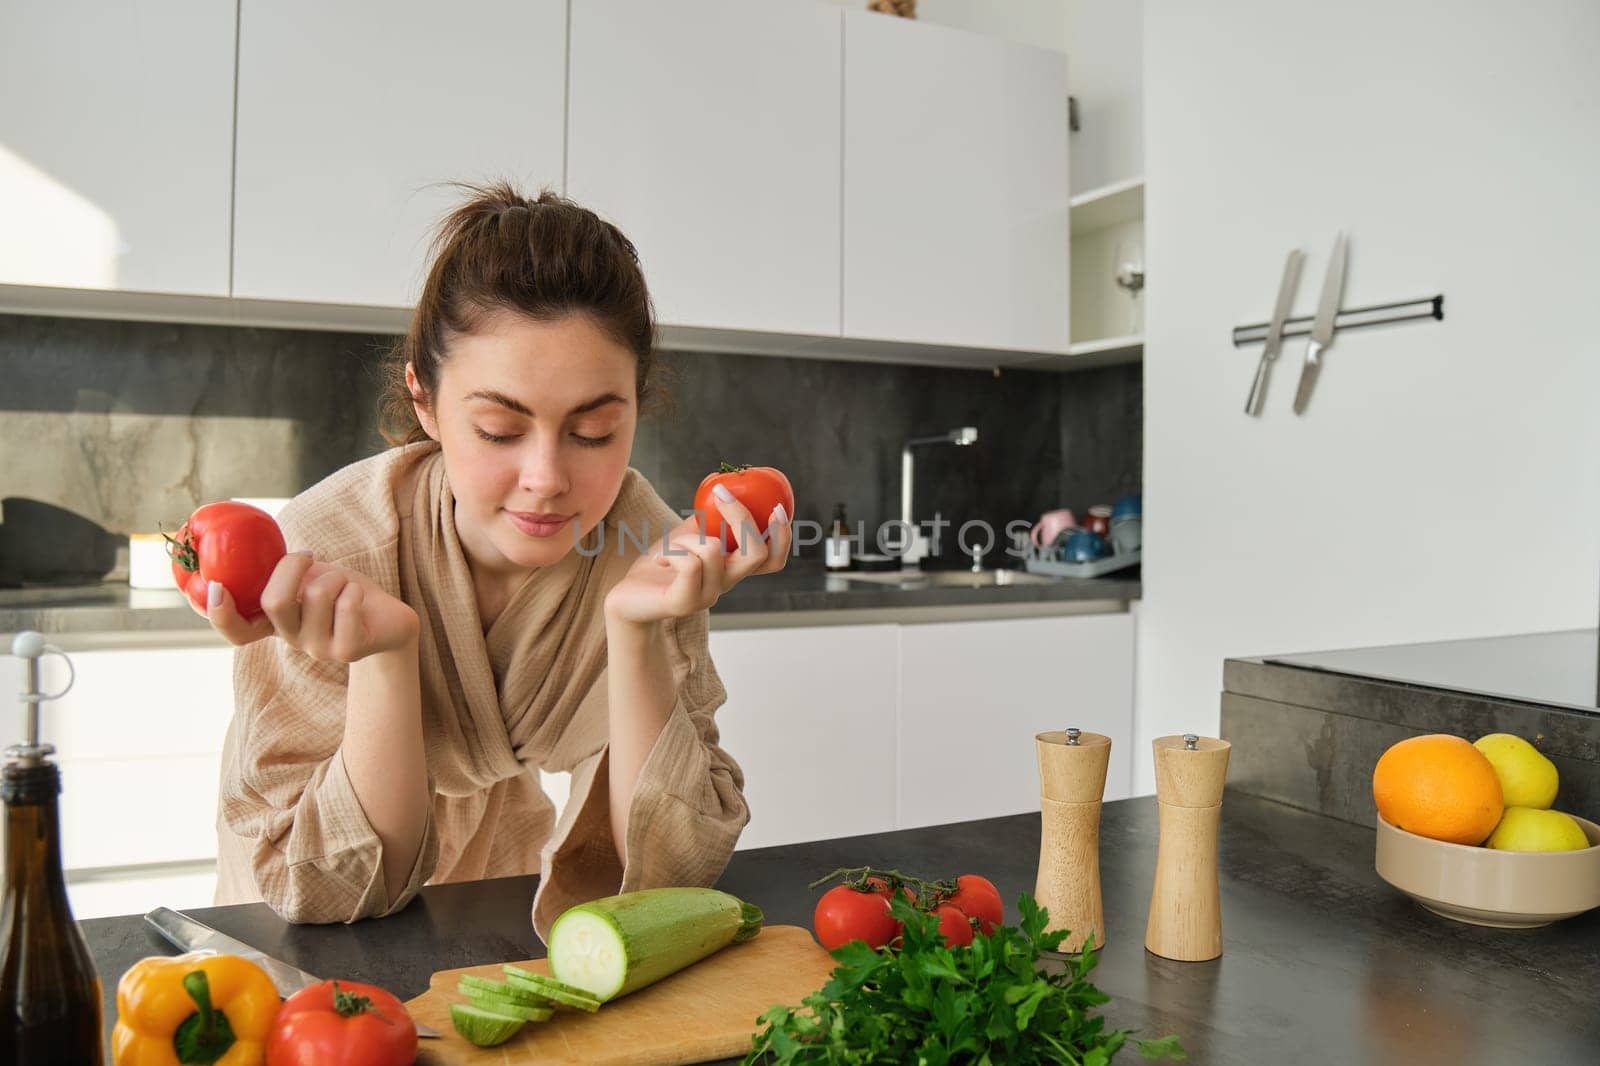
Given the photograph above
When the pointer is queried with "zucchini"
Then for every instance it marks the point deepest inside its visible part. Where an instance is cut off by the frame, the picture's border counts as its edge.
(620, 944)
(510, 1009)
(471, 983)
(482, 1027)
(561, 994)
(548, 987)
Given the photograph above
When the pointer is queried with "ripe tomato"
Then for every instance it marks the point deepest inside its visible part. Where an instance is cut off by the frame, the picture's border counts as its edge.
(844, 914)
(759, 488)
(978, 898)
(341, 1023)
(234, 543)
(954, 924)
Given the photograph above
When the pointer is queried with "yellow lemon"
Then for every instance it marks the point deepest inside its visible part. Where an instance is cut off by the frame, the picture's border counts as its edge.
(1527, 829)
(1527, 778)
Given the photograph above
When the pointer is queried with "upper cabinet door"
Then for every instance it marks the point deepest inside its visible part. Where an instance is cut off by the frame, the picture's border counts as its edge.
(709, 132)
(354, 119)
(955, 187)
(116, 142)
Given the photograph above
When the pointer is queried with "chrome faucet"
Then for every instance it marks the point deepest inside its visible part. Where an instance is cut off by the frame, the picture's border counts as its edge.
(961, 436)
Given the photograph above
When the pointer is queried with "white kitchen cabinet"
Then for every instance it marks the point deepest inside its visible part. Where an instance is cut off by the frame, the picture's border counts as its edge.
(353, 119)
(810, 720)
(845, 730)
(139, 741)
(955, 187)
(709, 132)
(180, 888)
(973, 695)
(138, 812)
(116, 144)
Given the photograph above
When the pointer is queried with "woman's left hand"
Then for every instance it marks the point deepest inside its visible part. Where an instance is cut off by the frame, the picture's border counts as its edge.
(690, 571)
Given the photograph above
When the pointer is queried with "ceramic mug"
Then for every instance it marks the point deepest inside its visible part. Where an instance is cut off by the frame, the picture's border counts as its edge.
(1084, 546)
(1129, 506)
(1127, 534)
(1050, 525)
(1099, 520)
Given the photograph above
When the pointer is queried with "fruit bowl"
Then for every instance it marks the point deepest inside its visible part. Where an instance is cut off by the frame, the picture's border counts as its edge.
(1505, 889)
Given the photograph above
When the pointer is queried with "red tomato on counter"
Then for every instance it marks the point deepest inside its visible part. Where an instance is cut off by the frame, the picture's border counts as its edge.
(954, 924)
(978, 898)
(342, 1023)
(844, 914)
(759, 488)
(232, 543)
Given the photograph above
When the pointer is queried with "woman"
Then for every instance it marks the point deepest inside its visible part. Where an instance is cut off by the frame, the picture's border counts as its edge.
(488, 599)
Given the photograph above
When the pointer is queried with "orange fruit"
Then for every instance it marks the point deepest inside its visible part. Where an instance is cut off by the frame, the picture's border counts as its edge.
(1438, 786)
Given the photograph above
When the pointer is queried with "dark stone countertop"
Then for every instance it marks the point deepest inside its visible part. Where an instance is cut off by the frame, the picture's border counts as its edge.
(1323, 963)
(803, 586)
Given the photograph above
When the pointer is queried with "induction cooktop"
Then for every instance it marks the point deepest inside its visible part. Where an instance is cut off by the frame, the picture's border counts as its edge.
(1560, 669)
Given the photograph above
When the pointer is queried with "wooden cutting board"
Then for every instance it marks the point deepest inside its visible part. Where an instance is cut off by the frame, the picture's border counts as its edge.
(701, 1014)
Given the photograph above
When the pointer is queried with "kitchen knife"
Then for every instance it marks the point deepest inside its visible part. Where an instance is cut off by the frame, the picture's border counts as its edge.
(187, 934)
(1280, 314)
(1322, 328)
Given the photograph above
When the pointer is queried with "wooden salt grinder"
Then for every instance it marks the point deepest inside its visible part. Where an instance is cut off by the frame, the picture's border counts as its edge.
(1072, 783)
(1186, 906)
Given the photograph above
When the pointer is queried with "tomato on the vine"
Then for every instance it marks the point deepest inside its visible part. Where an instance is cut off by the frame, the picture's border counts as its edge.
(759, 488)
(954, 925)
(845, 913)
(232, 543)
(978, 898)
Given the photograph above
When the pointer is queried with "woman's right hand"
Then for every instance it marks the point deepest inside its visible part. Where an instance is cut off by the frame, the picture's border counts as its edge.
(326, 611)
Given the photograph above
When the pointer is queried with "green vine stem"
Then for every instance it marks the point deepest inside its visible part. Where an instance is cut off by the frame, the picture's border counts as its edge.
(929, 893)
(182, 551)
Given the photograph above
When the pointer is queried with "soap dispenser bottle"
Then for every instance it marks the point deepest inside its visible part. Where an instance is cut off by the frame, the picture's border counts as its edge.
(836, 548)
(49, 992)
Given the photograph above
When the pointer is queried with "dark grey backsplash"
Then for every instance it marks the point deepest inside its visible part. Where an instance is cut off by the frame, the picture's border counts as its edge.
(131, 425)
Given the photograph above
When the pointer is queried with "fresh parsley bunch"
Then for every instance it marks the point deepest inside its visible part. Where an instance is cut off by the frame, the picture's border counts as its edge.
(926, 1003)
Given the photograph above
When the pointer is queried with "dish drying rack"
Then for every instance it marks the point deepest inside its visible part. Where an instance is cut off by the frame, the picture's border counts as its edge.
(1038, 561)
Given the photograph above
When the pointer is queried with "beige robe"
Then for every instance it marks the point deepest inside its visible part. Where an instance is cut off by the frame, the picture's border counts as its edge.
(497, 707)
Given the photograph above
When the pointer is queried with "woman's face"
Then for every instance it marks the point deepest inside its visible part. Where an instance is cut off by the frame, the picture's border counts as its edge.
(536, 420)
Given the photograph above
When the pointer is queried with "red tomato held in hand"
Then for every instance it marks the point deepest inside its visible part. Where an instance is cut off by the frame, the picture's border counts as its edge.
(978, 898)
(233, 543)
(759, 488)
(342, 1023)
(844, 914)
(954, 924)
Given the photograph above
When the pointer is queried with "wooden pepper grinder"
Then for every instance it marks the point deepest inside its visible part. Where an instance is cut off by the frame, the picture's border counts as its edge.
(1186, 906)
(1072, 784)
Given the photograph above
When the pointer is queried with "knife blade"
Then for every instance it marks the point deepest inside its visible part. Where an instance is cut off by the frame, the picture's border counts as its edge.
(1280, 313)
(1322, 328)
(187, 934)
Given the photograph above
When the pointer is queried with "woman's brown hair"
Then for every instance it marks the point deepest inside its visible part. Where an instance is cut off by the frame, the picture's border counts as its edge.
(543, 258)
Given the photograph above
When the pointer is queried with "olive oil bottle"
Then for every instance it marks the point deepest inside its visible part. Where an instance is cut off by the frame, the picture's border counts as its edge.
(49, 994)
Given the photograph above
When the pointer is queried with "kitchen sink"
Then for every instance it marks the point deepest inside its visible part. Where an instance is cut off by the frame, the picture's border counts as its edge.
(972, 579)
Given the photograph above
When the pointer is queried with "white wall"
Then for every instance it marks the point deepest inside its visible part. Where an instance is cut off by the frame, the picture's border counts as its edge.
(1037, 22)
(1042, 23)
(1105, 71)
(1444, 482)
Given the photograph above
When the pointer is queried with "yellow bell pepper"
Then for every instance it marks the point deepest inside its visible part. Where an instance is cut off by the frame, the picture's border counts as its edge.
(214, 1010)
